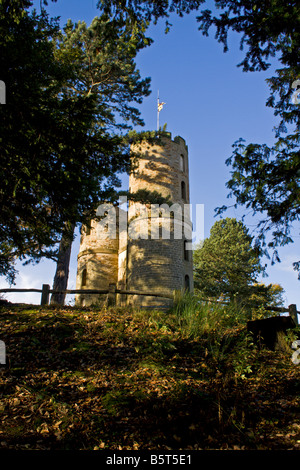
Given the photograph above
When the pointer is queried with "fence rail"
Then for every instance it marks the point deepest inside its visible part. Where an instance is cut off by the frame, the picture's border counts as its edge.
(46, 291)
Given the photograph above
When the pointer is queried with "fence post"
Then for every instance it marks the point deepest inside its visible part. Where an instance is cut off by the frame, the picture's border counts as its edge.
(121, 298)
(2, 92)
(293, 313)
(112, 294)
(45, 294)
(2, 353)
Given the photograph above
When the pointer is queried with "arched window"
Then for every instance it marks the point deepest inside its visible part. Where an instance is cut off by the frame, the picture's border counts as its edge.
(83, 277)
(172, 228)
(185, 251)
(160, 226)
(183, 190)
(105, 227)
(187, 282)
(182, 163)
(165, 227)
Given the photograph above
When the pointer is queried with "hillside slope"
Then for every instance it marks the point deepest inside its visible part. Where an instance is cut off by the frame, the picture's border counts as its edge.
(124, 379)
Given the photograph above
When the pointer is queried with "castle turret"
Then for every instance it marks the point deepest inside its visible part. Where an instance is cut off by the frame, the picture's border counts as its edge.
(159, 260)
(98, 255)
(154, 254)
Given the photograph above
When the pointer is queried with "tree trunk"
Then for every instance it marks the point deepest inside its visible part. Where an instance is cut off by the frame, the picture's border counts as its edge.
(60, 281)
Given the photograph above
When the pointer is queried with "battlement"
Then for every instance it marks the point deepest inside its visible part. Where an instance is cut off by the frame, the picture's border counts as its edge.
(180, 140)
(177, 140)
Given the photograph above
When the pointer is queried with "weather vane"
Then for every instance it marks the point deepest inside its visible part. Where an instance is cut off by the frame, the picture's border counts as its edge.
(160, 106)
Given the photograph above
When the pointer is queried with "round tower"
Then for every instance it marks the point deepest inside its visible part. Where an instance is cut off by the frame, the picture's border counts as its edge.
(159, 258)
(97, 265)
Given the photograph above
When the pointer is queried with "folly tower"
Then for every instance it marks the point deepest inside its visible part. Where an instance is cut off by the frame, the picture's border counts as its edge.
(146, 248)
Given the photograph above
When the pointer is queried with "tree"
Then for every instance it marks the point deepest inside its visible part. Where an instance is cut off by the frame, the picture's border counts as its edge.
(270, 295)
(18, 61)
(143, 10)
(61, 146)
(264, 178)
(102, 57)
(227, 265)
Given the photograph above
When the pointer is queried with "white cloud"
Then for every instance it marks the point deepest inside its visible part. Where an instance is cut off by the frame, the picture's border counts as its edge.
(287, 264)
(29, 277)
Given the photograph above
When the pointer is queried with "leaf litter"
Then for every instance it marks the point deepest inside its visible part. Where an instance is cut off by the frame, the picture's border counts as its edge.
(124, 379)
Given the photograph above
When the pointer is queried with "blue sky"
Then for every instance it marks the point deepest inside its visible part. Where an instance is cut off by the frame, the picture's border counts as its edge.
(210, 102)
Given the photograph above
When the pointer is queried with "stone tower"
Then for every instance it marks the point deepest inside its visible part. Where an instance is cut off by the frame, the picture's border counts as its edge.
(145, 249)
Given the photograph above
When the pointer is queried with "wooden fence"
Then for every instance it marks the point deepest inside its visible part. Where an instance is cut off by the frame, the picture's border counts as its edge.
(112, 291)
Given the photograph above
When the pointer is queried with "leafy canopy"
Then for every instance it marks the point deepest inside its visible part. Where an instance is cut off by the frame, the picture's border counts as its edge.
(226, 265)
(69, 98)
(266, 178)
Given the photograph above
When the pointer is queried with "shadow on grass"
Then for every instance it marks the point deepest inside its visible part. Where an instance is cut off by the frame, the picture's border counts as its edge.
(83, 380)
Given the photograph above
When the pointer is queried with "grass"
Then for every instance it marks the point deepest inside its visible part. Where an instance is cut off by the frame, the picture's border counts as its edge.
(121, 378)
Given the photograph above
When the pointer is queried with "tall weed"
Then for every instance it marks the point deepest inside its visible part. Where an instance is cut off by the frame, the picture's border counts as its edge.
(221, 329)
(196, 317)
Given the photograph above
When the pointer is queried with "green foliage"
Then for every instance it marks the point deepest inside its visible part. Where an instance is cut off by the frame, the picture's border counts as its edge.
(101, 58)
(262, 298)
(266, 179)
(196, 317)
(141, 10)
(69, 98)
(115, 401)
(152, 137)
(147, 197)
(227, 265)
(268, 29)
(221, 329)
